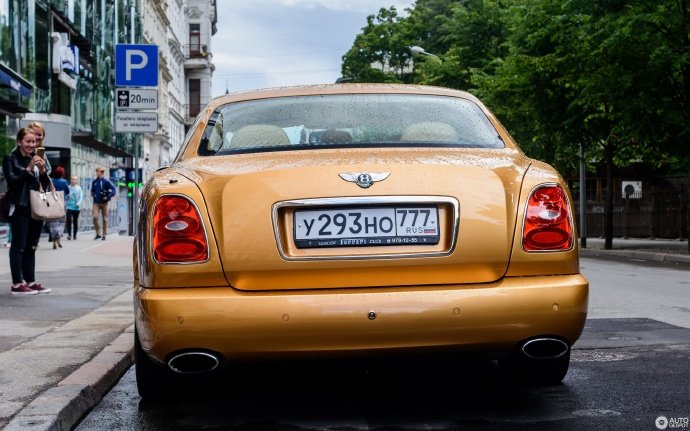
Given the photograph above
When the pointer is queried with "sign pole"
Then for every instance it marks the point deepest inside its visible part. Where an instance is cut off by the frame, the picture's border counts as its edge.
(135, 189)
(136, 66)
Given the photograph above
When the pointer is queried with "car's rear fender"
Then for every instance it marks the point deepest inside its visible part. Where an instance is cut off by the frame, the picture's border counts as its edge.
(153, 274)
(524, 263)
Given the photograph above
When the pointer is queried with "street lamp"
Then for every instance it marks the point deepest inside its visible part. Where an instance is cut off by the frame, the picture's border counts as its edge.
(419, 50)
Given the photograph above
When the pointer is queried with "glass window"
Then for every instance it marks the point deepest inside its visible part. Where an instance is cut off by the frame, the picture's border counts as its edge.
(15, 40)
(43, 66)
(194, 97)
(379, 120)
(194, 40)
(6, 24)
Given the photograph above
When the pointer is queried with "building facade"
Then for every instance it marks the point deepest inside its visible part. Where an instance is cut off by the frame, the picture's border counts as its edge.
(57, 66)
(201, 26)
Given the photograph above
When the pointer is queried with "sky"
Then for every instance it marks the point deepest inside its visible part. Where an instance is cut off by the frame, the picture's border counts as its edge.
(272, 43)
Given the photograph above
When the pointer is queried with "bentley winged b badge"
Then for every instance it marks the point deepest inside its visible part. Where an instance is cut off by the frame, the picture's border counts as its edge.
(364, 179)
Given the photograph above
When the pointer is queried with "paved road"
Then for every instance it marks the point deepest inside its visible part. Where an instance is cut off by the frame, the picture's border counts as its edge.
(624, 374)
(626, 288)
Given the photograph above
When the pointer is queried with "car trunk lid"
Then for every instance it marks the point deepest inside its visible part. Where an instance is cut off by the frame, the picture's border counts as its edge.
(254, 199)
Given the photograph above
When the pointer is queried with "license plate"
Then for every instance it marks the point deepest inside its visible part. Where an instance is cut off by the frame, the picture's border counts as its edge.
(365, 226)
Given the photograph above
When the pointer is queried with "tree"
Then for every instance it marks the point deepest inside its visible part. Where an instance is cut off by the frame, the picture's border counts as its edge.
(470, 38)
(581, 73)
(611, 76)
(380, 53)
(669, 23)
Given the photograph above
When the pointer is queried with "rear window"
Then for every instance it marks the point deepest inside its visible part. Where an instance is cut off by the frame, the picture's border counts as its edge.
(347, 121)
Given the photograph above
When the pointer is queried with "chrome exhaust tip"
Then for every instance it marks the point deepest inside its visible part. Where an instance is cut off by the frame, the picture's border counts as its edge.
(193, 362)
(545, 348)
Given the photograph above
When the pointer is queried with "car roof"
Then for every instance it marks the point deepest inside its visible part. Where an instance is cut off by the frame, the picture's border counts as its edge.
(348, 88)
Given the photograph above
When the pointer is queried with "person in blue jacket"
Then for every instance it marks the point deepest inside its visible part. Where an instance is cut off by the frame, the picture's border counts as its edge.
(102, 191)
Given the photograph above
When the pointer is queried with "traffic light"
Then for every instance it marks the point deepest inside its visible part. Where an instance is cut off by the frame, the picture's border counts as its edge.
(131, 182)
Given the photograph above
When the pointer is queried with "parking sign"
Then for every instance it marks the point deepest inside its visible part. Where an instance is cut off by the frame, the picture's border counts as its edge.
(136, 98)
(136, 65)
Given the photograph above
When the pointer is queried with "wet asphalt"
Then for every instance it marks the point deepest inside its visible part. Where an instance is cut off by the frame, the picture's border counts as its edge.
(624, 374)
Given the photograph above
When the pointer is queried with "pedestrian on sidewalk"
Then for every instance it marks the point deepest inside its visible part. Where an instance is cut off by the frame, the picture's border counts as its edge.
(24, 171)
(102, 190)
(73, 207)
(40, 133)
(57, 226)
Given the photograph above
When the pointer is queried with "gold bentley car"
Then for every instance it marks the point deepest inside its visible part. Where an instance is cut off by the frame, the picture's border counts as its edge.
(353, 219)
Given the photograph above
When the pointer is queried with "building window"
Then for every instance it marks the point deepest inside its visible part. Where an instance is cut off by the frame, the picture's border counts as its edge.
(194, 97)
(194, 40)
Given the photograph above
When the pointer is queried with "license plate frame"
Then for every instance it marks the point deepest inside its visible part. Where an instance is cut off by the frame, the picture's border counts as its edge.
(363, 226)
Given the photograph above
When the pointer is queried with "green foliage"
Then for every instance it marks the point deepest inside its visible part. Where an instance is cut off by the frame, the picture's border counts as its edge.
(559, 74)
(380, 52)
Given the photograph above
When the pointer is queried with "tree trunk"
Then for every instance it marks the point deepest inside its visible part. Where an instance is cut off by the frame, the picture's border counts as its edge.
(608, 199)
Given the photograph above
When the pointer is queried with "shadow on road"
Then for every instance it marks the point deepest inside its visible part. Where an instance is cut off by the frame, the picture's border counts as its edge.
(434, 392)
(624, 375)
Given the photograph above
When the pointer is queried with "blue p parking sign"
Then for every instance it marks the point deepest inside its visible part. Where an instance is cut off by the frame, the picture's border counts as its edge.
(136, 65)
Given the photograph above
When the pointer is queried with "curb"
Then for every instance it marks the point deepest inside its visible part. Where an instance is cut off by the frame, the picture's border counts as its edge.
(639, 255)
(60, 408)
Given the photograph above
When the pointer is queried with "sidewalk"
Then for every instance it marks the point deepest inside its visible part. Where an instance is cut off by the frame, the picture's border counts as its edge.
(57, 397)
(658, 250)
(60, 352)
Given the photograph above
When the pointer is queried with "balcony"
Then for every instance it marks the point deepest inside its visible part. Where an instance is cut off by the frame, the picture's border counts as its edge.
(197, 56)
(195, 51)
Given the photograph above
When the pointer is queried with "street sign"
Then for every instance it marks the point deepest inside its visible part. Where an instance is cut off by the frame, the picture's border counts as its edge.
(137, 98)
(135, 121)
(136, 65)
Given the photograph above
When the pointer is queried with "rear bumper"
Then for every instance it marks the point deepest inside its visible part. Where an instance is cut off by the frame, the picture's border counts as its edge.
(486, 317)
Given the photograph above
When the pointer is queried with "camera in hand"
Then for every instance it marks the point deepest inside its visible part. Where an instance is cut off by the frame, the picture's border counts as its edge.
(105, 195)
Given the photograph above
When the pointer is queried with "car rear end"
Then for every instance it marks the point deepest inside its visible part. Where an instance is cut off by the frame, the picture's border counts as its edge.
(424, 230)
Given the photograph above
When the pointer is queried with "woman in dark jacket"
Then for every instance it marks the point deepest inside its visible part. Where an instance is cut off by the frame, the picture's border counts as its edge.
(23, 170)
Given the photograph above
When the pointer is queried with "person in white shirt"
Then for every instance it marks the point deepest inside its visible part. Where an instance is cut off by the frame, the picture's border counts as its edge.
(73, 207)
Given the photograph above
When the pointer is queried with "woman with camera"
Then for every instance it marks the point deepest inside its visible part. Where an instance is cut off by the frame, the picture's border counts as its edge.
(24, 170)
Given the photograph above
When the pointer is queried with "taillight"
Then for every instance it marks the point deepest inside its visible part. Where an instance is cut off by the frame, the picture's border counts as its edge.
(548, 224)
(178, 234)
